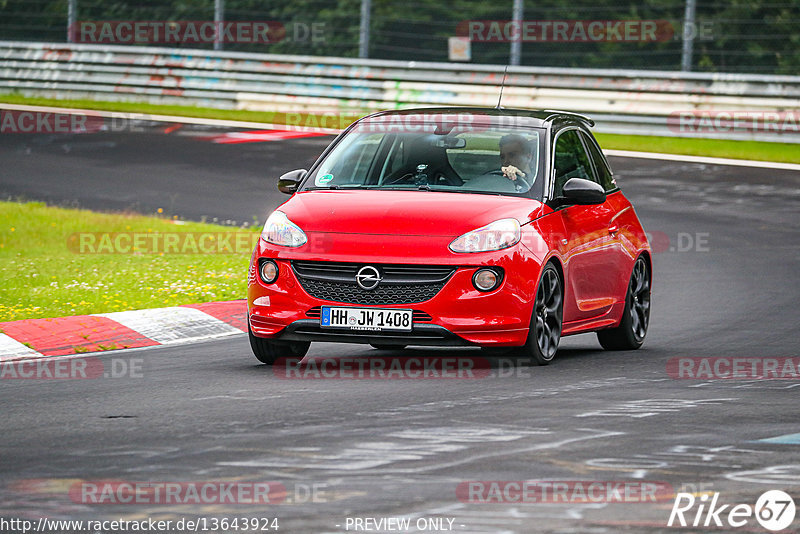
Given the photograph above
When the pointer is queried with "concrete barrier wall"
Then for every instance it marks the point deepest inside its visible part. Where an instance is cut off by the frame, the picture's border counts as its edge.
(731, 106)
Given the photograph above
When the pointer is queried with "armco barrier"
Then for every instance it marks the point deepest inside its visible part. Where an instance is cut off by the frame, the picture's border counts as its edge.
(641, 102)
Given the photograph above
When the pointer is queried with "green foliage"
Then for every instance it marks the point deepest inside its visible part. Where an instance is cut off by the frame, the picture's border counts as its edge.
(737, 36)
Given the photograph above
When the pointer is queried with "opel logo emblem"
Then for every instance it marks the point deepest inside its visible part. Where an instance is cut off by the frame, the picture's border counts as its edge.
(368, 277)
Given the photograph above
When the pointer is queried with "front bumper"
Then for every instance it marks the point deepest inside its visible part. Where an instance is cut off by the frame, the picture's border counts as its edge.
(457, 315)
(421, 334)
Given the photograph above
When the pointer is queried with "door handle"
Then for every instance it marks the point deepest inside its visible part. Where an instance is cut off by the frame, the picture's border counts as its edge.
(613, 229)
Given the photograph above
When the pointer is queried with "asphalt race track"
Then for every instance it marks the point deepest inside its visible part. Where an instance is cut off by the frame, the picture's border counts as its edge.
(725, 285)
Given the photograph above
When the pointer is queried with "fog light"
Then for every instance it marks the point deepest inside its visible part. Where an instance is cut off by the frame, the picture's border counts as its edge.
(269, 271)
(485, 280)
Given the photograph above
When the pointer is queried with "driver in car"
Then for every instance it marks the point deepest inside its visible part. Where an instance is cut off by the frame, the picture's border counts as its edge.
(516, 154)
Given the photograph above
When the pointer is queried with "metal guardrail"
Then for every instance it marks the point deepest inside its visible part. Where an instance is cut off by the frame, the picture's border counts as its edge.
(641, 102)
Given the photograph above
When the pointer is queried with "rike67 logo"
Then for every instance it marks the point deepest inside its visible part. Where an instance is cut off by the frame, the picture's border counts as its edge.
(774, 510)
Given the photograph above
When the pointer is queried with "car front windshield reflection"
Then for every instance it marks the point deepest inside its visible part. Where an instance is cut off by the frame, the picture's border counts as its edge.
(476, 159)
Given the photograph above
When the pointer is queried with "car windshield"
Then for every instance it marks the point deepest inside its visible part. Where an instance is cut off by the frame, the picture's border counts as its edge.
(476, 159)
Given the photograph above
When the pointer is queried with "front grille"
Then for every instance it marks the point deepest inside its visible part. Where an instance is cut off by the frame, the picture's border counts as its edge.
(421, 317)
(400, 284)
(352, 294)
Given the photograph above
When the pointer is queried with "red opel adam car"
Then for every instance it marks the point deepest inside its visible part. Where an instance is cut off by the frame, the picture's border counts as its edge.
(452, 227)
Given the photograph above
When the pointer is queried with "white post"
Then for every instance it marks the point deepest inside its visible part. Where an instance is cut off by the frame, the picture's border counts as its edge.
(516, 45)
(689, 31)
(219, 19)
(72, 17)
(363, 32)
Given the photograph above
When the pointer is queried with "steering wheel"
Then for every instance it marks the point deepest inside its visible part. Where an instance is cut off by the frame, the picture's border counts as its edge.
(521, 179)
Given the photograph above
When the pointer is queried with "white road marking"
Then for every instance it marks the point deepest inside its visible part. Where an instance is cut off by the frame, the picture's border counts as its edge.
(778, 475)
(703, 159)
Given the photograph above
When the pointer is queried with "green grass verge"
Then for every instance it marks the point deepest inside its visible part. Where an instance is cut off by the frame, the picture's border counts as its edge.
(44, 274)
(755, 150)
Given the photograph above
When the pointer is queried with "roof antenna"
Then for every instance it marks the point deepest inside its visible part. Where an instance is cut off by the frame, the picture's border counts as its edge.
(502, 86)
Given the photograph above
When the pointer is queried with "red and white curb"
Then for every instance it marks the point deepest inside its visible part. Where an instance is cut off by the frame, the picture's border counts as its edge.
(33, 338)
(259, 136)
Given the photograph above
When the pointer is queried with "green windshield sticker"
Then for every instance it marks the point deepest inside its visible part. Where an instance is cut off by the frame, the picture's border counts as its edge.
(324, 179)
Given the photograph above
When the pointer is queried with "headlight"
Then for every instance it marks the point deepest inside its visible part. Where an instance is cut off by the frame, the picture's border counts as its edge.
(494, 236)
(279, 230)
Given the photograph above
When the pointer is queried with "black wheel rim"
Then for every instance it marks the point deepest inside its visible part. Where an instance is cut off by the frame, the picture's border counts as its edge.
(639, 299)
(548, 314)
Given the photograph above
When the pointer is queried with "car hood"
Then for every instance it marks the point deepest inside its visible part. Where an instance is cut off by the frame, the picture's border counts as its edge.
(425, 213)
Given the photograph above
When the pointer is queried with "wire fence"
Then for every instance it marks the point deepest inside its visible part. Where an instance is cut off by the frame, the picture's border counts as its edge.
(748, 37)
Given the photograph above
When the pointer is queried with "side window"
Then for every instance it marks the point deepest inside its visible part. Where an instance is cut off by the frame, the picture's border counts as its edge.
(395, 159)
(353, 165)
(604, 173)
(571, 160)
(364, 160)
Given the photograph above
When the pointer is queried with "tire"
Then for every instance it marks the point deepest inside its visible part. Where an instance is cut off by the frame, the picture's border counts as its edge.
(546, 318)
(632, 329)
(268, 351)
(380, 346)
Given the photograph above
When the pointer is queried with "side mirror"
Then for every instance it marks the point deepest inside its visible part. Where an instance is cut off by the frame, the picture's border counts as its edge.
(289, 182)
(583, 192)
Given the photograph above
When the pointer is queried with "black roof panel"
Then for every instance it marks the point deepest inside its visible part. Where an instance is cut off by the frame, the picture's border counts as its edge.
(523, 117)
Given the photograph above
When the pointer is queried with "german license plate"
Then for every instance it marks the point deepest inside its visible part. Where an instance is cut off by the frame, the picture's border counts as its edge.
(367, 318)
